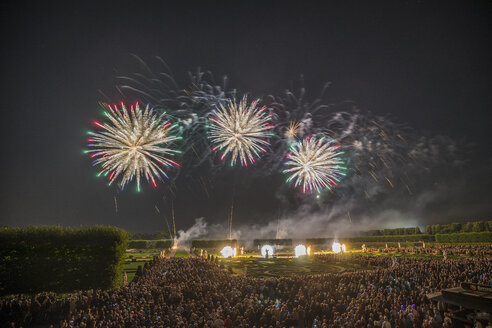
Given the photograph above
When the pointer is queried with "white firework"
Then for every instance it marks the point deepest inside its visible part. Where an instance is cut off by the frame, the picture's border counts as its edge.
(315, 164)
(240, 130)
(134, 144)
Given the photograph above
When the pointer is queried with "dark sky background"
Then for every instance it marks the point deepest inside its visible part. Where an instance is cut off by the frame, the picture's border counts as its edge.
(426, 64)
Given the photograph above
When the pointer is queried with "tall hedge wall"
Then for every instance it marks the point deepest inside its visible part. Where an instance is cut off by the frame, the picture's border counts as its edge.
(420, 237)
(37, 259)
(284, 242)
(150, 244)
(213, 243)
(395, 231)
(465, 237)
(158, 235)
(319, 241)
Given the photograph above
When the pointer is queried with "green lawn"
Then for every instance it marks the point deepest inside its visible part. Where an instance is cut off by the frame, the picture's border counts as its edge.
(181, 253)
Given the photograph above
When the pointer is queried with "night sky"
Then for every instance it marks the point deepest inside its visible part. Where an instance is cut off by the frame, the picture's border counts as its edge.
(424, 64)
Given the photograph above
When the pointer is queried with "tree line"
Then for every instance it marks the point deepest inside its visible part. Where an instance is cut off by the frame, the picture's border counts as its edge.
(477, 226)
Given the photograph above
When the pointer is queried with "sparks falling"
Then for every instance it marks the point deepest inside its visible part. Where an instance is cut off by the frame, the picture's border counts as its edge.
(315, 164)
(134, 143)
(241, 130)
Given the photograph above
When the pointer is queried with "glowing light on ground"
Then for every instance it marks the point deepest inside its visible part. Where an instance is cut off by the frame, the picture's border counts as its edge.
(336, 248)
(300, 250)
(267, 249)
(228, 251)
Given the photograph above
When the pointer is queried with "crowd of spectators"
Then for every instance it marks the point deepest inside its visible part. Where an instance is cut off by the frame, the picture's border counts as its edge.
(474, 250)
(195, 292)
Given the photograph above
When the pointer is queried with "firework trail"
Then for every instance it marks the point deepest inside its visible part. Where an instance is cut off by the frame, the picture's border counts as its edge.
(115, 204)
(174, 221)
(167, 222)
(132, 144)
(315, 164)
(230, 217)
(241, 130)
(188, 106)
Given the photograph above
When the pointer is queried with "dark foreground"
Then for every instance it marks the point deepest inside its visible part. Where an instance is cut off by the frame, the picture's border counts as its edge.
(191, 292)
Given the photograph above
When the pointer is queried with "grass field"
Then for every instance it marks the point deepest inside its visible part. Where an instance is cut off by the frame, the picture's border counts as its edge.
(181, 253)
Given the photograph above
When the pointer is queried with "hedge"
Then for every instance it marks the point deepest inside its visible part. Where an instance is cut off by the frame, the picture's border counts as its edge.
(158, 235)
(164, 243)
(390, 238)
(150, 244)
(212, 243)
(138, 244)
(395, 231)
(319, 241)
(283, 242)
(55, 259)
(465, 237)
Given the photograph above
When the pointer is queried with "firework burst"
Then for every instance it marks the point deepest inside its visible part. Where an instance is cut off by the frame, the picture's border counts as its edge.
(315, 164)
(132, 144)
(293, 129)
(241, 130)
